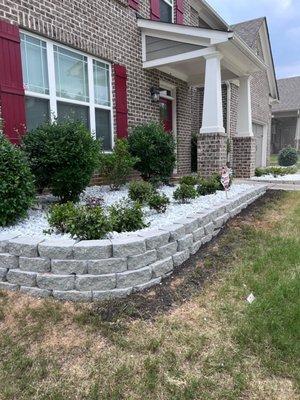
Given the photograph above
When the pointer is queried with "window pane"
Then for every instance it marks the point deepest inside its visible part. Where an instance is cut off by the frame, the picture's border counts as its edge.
(165, 11)
(101, 83)
(37, 112)
(71, 74)
(34, 64)
(73, 112)
(103, 128)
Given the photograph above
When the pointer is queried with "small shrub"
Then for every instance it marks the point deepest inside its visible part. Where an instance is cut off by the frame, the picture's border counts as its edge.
(189, 180)
(17, 190)
(60, 216)
(288, 157)
(275, 171)
(126, 216)
(63, 158)
(89, 223)
(140, 191)
(159, 202)
(156, 152)
(208, 186)
(118, 165)
(184, 193)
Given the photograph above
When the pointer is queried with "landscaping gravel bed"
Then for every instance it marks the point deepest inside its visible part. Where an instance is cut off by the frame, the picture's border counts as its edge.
(36, 224)
(285, 178)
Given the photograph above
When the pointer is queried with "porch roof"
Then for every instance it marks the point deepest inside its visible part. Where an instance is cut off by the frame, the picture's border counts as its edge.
(179, 50)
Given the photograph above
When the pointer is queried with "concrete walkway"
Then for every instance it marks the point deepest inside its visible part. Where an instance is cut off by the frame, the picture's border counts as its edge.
(281, 185)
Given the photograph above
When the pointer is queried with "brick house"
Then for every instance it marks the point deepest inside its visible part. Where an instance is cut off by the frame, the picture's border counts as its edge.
(117, 63)
(286, 115)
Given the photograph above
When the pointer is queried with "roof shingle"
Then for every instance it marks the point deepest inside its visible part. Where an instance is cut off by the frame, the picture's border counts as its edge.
(248, 30)
(289, 94)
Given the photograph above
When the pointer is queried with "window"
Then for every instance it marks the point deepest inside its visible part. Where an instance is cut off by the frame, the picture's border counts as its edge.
(66, 84)
(166, 10)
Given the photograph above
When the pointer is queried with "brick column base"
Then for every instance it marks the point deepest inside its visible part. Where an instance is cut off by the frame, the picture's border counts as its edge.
(244, 156)
(212, 153)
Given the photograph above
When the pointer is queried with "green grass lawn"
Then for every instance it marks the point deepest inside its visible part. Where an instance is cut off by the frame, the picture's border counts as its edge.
(208, 344)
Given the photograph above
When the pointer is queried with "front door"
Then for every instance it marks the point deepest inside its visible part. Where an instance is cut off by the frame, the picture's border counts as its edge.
(166, 114)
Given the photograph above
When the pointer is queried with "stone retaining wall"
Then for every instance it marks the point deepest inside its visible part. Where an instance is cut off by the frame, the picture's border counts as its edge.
(104, 269)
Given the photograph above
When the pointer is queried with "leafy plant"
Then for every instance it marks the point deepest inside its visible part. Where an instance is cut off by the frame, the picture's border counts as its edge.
(158, 202)
(60, 216)
(275, 170)
(140, 191)
(17, 190)
(208, 186)
(156, 152)
(288, 157)
(126, 216)
(184, 193)
(189, 180)
(118, 165)
(63, 157)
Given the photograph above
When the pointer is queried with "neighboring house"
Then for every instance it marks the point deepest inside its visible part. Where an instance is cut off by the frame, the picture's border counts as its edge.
(117, 63)
(286, 115)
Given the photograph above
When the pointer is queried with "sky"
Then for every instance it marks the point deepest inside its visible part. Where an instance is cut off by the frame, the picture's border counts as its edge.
(283, 18)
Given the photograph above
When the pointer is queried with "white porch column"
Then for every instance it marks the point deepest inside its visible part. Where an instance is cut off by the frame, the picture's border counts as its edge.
(244, 117)
(297, 137)
(212, 120)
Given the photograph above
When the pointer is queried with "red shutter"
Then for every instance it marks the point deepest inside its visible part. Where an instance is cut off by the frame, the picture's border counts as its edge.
(12, 99)
(179, 11)
(121, 100)
(134, 4)
(155, 10)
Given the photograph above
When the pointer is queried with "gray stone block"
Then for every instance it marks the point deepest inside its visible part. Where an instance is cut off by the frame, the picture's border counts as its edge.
(8, 261)
(155, 238)
(176, 231)
(167, 251)
(9, 286)
(133, 278)
(100, 295)
(221, 210)
(58, 249)
(204, 217)
(186, 242)
(108, 266)
(128, 246)
(141, 260)
(22, 278)
(36, 292)
(162, 268)
(207, 238)
(198, 234)
(64, 267)
(93, 250)
(25, 246)
(181, 257)
(209, 228)
(3, 272)
(219, 222)
(190, 223)
(72, 295)
(95, 282)
(148, 285)
(4, 239)
(55, 282)
(36, 264)
(196, 247)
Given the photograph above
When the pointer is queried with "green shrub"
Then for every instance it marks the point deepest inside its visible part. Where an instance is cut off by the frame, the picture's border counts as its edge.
(17, 190)
(158, 202)
(189, 180)
(126, 216)
(118, 165)
(288, 157)
(184, 193)
(89, 223)
(208, 186)
(276, 171)
(60, 216)
(140, 191)
(156, 152)
(63, 157)
(194, 151)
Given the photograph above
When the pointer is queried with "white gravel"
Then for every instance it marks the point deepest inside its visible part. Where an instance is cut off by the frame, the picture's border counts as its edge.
(36, 222)
(287, 178)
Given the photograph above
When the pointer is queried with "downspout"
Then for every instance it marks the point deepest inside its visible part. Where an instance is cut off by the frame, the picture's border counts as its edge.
(228, 127)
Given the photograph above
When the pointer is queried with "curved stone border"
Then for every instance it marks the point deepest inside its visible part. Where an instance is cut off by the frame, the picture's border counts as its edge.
(104, 269)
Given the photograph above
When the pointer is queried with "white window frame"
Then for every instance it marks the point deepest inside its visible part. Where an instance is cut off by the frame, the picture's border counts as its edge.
(53, 98)
(171, 3)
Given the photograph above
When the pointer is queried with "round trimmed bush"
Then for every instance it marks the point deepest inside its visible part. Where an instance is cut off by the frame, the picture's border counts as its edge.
(17, 191)
(288, 157)
(63, 158)
(156, 152)
(185, 193)
(140, 191)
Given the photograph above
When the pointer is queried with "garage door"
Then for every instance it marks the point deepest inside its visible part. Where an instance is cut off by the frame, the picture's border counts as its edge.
(258, 131)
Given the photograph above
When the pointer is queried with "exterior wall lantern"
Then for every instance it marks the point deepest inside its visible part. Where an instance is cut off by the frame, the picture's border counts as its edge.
(155, 94)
